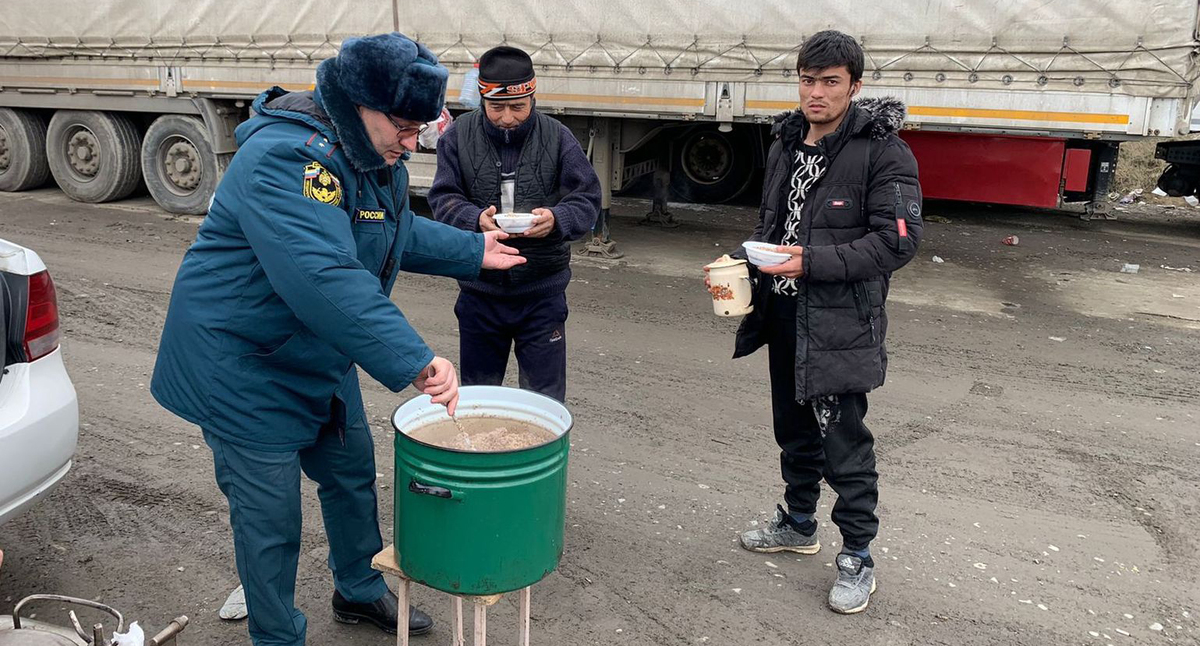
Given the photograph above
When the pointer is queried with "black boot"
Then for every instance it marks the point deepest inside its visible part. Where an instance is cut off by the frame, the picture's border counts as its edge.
(382, 613)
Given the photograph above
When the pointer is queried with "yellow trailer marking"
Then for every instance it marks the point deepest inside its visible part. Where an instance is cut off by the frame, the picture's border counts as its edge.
(198, 84)
(914, 110)
(980, 113)
(1020, 115)
(452, 95)
(623, 100)
(202, 84)
(73, 82)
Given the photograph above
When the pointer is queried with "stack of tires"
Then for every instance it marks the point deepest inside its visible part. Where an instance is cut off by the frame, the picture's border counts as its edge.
(99, 156)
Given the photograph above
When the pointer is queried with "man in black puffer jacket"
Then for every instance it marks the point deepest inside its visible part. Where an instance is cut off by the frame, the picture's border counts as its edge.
(841, 198)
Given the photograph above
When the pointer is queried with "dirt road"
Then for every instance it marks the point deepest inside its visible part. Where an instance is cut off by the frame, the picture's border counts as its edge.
(1038, 441)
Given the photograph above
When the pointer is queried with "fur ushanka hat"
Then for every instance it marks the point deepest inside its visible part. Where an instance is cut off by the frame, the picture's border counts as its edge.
(390, 73)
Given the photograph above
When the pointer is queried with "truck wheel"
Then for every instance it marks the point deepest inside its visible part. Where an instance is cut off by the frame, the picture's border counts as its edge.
(22, 150)
(1179, 180)
(93, 155)
(179, 165)
(712, 166)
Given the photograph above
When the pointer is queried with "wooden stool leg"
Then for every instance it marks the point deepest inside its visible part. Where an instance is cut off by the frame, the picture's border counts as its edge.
(402, 613)
(523, 628)
(480, 625)
(459, 639)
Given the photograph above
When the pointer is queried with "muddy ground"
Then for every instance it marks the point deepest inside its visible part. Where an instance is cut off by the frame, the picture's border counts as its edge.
(1038, 441)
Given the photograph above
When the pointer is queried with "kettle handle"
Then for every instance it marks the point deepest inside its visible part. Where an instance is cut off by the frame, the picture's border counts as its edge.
(16, 614)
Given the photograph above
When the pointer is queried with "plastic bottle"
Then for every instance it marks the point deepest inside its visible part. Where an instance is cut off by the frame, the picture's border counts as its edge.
(469, 95)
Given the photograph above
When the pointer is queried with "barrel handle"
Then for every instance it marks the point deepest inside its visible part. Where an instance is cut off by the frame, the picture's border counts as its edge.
(430, 490)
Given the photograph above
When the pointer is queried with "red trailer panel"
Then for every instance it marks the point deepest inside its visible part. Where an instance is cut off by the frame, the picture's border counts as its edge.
(1075, 170)
(1022, 171)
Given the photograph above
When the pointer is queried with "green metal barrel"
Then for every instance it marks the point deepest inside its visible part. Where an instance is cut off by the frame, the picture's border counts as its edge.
(478, 523)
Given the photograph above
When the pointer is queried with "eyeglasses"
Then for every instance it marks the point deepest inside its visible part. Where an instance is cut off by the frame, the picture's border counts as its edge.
(404, 132)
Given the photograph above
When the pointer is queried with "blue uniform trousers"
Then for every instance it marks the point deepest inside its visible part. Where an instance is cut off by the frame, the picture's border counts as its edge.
(263, 488)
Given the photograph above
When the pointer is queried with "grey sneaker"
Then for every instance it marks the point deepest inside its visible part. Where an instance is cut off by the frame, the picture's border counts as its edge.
(781, 535)
(852, 591)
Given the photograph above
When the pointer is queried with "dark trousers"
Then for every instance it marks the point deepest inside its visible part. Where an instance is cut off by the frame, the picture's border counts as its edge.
(263, 488)
(489, 327)
(822, 438)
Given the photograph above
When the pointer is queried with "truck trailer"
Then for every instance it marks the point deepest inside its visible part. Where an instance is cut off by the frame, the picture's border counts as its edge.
(1019, 102)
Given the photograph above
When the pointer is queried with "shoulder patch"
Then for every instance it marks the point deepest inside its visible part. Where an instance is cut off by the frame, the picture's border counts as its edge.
(322, 185)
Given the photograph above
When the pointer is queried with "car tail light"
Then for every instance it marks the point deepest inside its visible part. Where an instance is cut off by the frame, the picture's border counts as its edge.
(41, 321)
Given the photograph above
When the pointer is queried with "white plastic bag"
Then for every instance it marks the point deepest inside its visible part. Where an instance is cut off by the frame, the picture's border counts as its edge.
(134, 637)
(429, 138)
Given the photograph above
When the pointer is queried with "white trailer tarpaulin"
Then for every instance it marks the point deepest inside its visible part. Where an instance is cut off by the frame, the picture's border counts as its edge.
(173, 29)
(1140, 47)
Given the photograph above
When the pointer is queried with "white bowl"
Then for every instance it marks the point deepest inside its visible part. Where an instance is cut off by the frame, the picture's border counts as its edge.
(515, 222)
(763, 254)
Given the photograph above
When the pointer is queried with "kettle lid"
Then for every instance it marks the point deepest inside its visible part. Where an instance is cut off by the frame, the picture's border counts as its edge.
(725, 261)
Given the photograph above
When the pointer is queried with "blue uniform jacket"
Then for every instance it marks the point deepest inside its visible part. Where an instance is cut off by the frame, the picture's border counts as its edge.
(287, 285)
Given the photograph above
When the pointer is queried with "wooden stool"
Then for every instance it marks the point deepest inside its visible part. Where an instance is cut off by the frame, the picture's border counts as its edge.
(386, 562)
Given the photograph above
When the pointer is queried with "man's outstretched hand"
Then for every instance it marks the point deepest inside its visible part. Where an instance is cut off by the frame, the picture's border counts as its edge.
(497, 255)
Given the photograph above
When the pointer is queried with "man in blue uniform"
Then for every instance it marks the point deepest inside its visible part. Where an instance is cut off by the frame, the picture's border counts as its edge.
(286, 291)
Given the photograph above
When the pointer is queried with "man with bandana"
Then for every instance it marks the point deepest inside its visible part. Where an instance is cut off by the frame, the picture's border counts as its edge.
(507, 157)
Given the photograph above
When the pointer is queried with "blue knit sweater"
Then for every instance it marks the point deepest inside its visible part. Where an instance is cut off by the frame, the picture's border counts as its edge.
(574, 215)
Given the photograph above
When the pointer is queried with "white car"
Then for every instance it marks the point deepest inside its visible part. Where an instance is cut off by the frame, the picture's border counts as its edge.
(39, 412)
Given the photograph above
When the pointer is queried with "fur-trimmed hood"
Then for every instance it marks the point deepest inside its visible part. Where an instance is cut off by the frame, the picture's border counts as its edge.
(277, 103)
(307, 107)
(879, 117)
